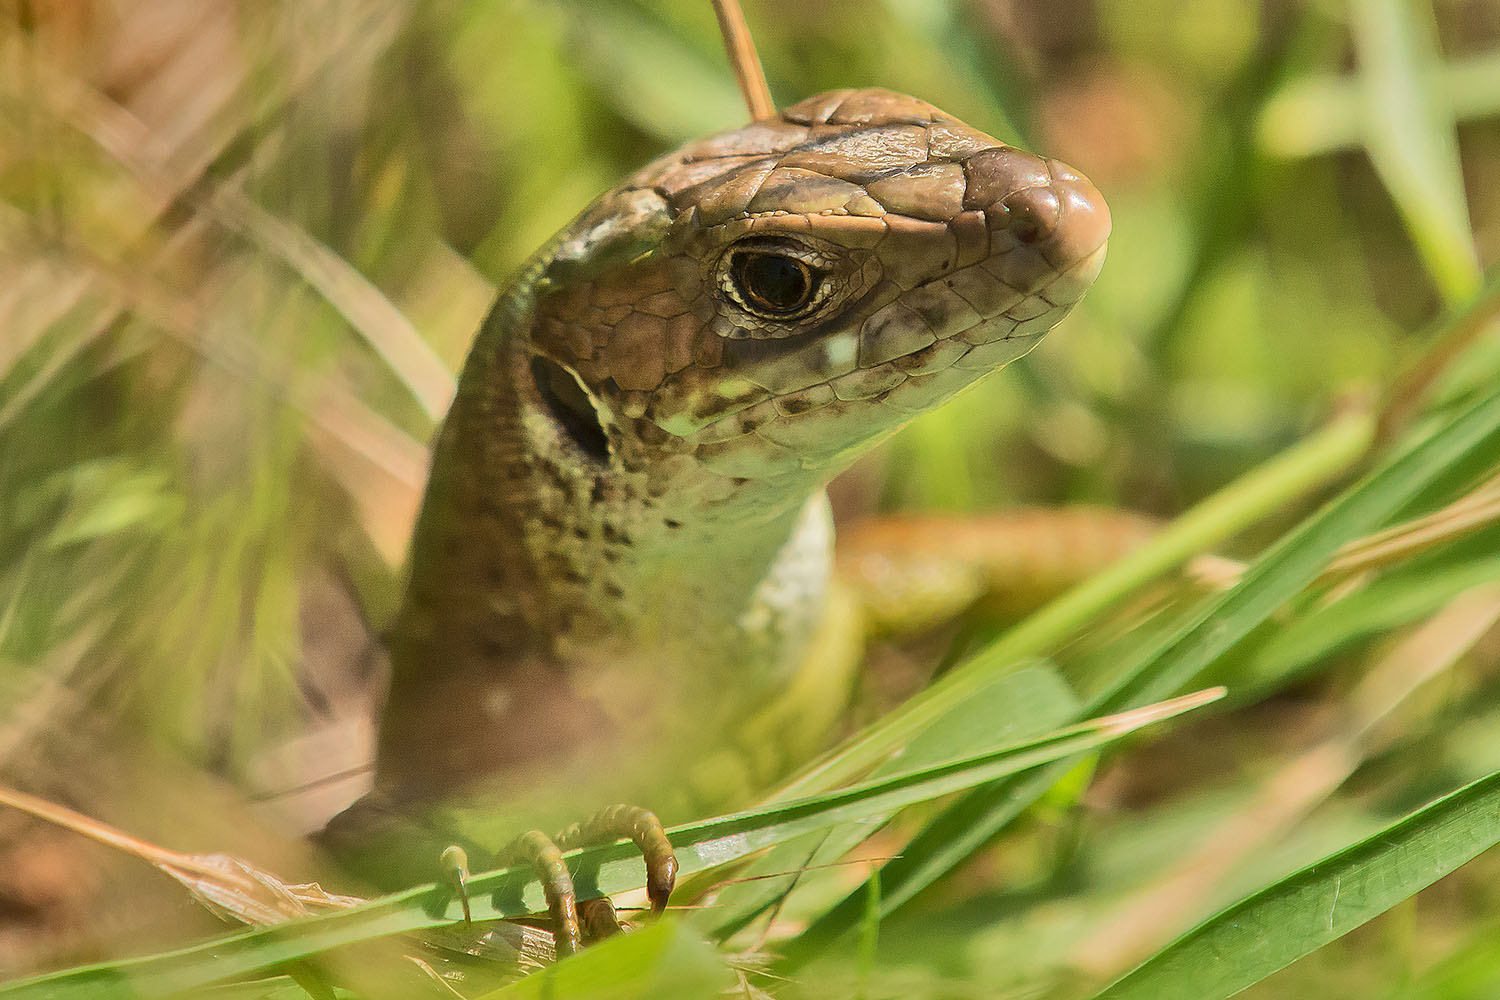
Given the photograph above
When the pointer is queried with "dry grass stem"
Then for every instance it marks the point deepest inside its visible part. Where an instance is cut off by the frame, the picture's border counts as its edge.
(744, 60)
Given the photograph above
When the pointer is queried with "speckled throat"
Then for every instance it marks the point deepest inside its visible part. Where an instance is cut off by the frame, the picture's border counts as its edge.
(625, 518)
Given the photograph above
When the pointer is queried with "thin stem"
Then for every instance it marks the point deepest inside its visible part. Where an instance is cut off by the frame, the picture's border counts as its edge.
(743, 58)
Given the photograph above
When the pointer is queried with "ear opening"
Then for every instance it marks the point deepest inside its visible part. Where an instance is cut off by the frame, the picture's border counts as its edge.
(569, 404)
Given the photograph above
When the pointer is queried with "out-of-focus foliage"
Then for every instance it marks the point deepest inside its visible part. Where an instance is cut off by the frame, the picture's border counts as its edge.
(243, 244)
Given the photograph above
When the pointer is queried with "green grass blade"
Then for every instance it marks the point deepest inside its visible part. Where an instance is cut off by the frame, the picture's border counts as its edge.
(655, 78)
(1410, 135)
(1317, 115)
(1385, 605)
(666, 961)
(1295, 562)
(1254, 496)
(869, 933)
(945, 842)
(1287, 569)
(1026, 704)
(605, 870)
(1265, 932)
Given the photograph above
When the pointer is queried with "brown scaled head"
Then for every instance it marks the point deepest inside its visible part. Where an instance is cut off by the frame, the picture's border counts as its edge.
(772, 299)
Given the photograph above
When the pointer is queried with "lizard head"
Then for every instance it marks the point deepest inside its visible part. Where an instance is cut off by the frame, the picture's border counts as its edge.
(768, 302)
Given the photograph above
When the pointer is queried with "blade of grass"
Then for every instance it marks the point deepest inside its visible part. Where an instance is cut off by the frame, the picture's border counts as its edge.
(383, 326)
(1298, 558)
(869, 932)
(1383, 606)
(1148, 917)
(1469, 513)
(1023, 705)
(1254, 496)
(1269, 930)
(1287, 568)
(658, 80)
(1316, 115)
(615, 868)
(1461, 357)
(1409, 133)
(225, 885)
(665, 960)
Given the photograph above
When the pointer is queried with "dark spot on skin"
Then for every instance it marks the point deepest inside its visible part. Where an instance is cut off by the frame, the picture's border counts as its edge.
(495, 574)
(674, 525)
(739, 481)
(596, 495)
(649, 433)
(563, 568)
(554, 473)
(616, 535)
(795, 406)
(519, 466)
(550, 521)
(614, 590)
(581, 531)
(610, 553)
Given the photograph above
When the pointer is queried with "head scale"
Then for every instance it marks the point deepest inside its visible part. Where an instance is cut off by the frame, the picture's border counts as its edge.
(767, 302)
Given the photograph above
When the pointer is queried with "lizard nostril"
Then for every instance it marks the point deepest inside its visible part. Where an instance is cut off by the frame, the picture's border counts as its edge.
(1031, 215)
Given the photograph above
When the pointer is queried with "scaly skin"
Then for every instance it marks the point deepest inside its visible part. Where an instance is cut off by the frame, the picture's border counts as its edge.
(625, 541)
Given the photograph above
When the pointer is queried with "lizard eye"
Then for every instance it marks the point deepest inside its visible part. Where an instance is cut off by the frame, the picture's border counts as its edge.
(778, 285)
(773, 284)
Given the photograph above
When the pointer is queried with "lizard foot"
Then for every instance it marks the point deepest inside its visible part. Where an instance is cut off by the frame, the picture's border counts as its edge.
(576, 921)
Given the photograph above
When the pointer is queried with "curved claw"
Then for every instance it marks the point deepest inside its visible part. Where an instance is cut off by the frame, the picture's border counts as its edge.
(644, 830)
(544, 855)
(455, 862)
(573, 921)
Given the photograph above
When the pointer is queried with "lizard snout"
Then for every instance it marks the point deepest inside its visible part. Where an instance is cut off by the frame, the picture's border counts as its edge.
(1045, 219)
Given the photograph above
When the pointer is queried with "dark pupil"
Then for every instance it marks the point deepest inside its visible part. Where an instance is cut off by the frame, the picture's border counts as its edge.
(774, 282)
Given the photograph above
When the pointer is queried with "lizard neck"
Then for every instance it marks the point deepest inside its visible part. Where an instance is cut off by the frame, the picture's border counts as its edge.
(552, 583)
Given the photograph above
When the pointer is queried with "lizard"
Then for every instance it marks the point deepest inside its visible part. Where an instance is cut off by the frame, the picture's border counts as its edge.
(625, 546)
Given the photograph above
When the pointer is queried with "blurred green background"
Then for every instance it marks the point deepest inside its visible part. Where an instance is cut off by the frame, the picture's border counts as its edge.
(242, 245)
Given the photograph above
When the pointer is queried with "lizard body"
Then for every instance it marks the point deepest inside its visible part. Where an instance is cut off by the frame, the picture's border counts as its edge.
(625, 521)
